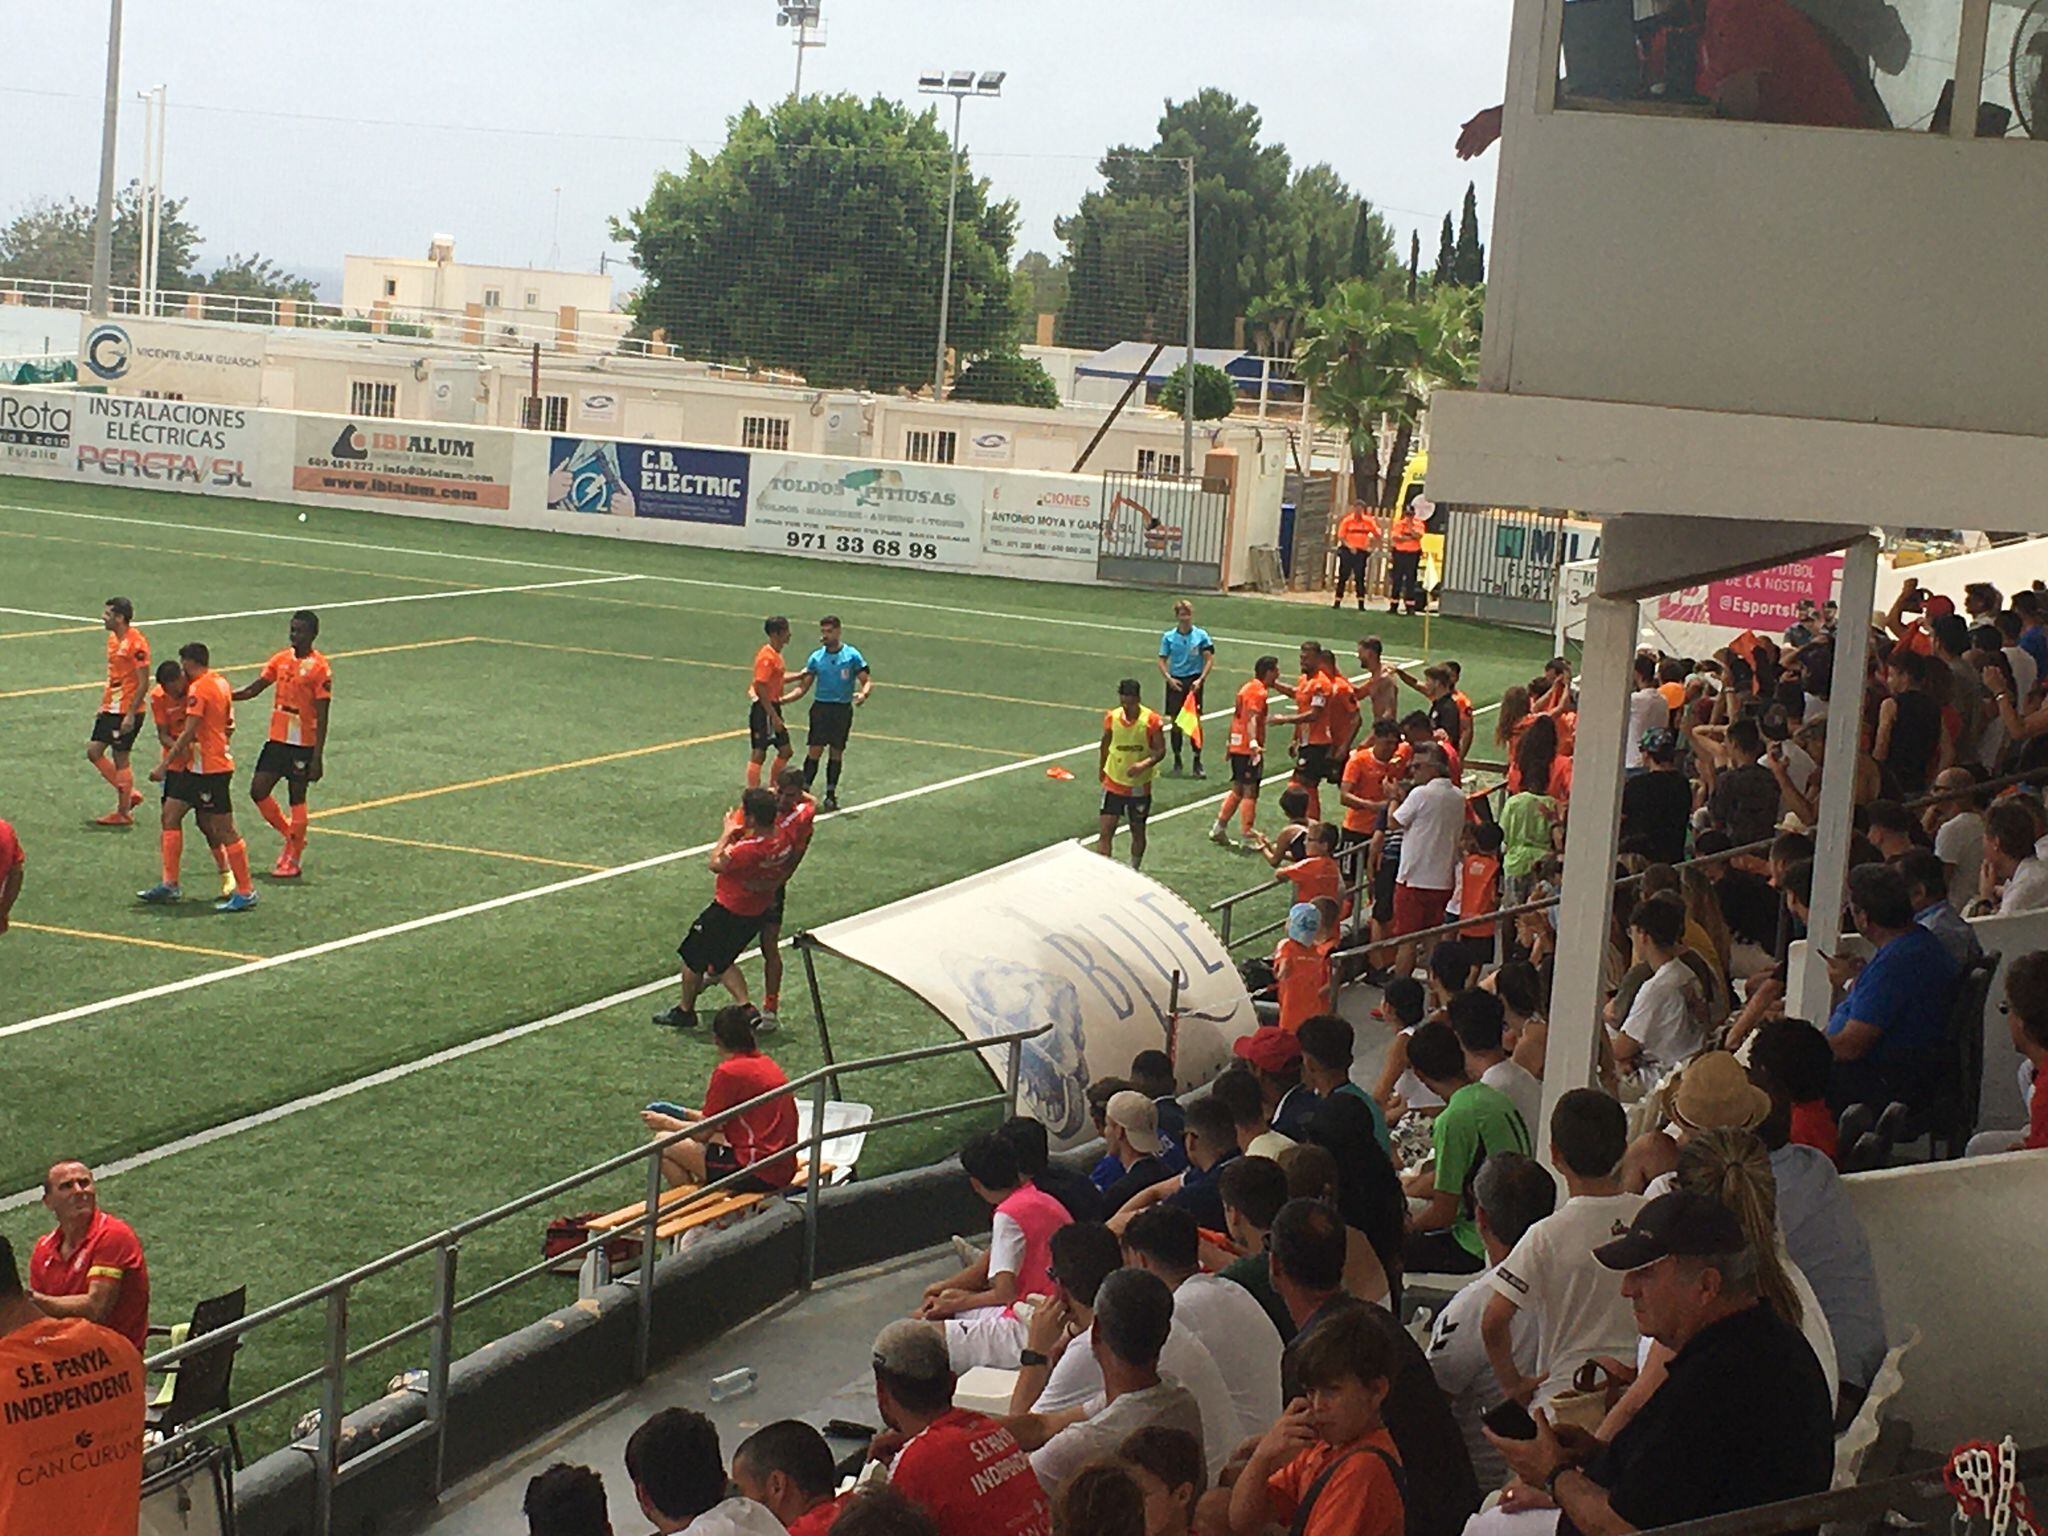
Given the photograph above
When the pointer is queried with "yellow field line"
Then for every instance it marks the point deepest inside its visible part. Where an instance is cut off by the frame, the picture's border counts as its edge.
(947, 746)
(374, 650)
(526, 773)
(732, 666)
(124, 938)
(489, 853)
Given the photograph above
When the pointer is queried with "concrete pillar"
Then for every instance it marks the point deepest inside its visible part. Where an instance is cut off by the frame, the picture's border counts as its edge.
(567, 321)
(472, 325)
(1587, 910)
(380, 316)
(1810, 995)
(287, 312)
(195, 307)
(1043, 336)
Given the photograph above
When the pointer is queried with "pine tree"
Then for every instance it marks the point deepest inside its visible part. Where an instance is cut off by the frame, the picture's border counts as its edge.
(1469, 259)
(1446, 257)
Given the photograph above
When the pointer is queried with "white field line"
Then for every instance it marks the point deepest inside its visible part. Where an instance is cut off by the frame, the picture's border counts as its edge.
(683, 581)
(39, 613)
(374, 602)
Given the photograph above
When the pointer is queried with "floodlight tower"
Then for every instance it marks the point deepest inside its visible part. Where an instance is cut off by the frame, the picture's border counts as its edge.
(802, 15)
(103, 222)
(958, 84)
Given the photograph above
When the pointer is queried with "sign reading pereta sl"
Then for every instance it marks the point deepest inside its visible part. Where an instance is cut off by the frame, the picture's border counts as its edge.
(894, 514)
(402, 461)
(177, 445)
(1066, 938)
(172, 357)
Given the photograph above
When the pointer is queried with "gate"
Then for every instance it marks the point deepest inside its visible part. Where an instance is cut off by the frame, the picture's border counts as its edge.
(1501, 566)
(1162, 531)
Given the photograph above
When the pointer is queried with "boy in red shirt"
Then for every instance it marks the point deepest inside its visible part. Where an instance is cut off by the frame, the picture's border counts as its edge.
(1791, 1060)
(758, 1140)
(1328, 1467)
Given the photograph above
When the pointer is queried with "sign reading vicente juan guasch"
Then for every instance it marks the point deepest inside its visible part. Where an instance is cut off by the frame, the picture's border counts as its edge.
(894, 514)
(402, 461)
(177, 445)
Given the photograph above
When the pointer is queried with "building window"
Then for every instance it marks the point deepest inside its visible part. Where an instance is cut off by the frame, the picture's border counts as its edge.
(549, 413)
(929, 447)
(766, 432)
(492, 298)
(1158, 462)
(532, 298)
(390, 287)
(370, 397)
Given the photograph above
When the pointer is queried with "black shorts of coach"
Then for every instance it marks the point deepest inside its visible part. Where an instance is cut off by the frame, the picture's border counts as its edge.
(830, 725)
(758, 734)
(716, 939)
(285, 761)
(109, 729)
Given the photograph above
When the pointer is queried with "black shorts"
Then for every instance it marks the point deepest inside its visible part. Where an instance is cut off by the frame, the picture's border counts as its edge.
(282, 760)
(830, 725)
(209, 791)
(716, 939)
(1177, 691)
(181, 786)
(772, 918)
(758, 734)
(107, 728)
(1244, 772)
(1136, 807)
(1383, 888)
(1312, 763)
(720, 1160)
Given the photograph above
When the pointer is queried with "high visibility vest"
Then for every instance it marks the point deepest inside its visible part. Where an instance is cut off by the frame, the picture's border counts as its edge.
(1407, 533)
(1129, 740)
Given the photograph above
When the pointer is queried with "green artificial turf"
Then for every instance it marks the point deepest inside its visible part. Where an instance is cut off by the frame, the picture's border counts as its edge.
(580, 728)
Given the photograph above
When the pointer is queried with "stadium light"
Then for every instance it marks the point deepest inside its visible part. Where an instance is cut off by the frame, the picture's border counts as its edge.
(958, 84)
(809, 24)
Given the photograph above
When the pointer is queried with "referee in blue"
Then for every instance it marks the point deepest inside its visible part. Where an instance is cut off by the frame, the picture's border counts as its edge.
(837, 678)
(1186, 653)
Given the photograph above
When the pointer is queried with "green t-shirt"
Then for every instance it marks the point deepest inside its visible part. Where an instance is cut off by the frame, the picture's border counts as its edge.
(1476, 1122)
(1525, 832)
(1379, 1116)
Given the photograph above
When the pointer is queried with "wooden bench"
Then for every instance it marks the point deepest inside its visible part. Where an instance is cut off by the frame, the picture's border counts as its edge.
(679, 1211)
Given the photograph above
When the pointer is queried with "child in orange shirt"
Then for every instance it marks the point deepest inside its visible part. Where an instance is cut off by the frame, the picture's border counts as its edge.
(1478, 890)
(1330, 1443)
(1316, 874)
(1301, 964)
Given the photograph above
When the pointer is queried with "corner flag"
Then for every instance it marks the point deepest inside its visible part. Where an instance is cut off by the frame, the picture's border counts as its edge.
(1189, 721)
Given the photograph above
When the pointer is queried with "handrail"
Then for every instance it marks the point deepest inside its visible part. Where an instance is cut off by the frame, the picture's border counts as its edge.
(329, 1467)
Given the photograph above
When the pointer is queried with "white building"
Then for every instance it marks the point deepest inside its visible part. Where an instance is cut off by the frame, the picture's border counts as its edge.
(438, 282)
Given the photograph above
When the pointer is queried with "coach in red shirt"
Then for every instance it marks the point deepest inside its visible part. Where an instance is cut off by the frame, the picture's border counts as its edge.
(91, 1266)
(758, 1139)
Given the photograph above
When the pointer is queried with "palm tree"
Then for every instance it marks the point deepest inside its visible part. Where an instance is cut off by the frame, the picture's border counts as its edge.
(1368, 356)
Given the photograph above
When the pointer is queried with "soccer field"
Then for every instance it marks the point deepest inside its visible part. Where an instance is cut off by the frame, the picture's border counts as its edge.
(534, 737)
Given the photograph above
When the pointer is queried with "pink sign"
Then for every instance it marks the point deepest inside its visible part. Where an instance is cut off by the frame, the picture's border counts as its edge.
(1765, 601)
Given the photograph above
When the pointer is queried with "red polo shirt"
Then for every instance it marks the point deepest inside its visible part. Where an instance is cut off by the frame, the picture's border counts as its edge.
(111, 1251)
(1799, 80)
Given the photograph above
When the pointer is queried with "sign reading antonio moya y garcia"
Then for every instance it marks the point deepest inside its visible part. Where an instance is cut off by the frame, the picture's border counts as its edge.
(893, 514)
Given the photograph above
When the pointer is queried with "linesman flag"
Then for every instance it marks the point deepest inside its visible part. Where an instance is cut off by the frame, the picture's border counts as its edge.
(1189, 721)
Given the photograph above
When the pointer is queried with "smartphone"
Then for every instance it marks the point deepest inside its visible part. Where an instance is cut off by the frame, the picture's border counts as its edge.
(1510, 1420)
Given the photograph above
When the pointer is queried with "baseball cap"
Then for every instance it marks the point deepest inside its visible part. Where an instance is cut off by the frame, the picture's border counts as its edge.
(913, 1350)
(1138, 1116)
(1939, 606)
(1269, 1048)
(1659, 741)
(1714, 1093)
(1678, 1223)
(1304, 922)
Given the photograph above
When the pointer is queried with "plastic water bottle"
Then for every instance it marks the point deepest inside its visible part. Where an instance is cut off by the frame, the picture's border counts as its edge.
(732, 1384)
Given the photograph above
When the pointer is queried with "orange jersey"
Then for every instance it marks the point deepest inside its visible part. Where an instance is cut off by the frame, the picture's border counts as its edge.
(1359, 530)
(210, 701)
(127, 664)
(1342, 709)
(72, 1395)
(1301, 974)
(1367, 777)
(769, 671)
(1464, 711)
(1313, 689)
(169, 714)
(300, 683)
(1478, 891)
(1248, 723)
(1315, 877)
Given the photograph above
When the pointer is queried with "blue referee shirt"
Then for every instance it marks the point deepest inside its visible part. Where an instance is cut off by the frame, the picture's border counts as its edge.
(1184, 652)
(837, 673)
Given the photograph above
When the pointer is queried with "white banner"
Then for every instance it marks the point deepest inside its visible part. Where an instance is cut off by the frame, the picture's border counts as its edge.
(169, 357)
(1067, 938)
(1057, 518)
(176, 445)
(850, 509)
(35, 432)
(397, 461)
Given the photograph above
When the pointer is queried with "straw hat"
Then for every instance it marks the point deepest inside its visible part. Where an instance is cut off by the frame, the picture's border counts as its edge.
(1715, 1094)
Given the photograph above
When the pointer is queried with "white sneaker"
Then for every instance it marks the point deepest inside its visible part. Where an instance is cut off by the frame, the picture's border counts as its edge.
(767, 1023)
(1218, 834)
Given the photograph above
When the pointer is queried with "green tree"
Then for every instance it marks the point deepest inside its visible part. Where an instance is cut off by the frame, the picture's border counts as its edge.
(54, 240)
(1470, 261)
(814, 240)
(1041, 289)
(1241, 188)
(257, 277)
(1006, 378)
(1372, 243)
(1368, 355)
(1446, 257)
(1126, 260)
(1215, 394)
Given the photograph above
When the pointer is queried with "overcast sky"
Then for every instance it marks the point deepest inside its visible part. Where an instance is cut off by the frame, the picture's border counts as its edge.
(309, 131)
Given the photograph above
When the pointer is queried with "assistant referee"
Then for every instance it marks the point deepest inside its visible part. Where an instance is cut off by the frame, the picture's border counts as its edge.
(837, 678)
(1186, 653)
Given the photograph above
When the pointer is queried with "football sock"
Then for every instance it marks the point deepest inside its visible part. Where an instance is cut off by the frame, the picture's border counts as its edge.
(1249, 810)
(174, 853)
(753, 774)
(238, 861)
(124, 781)
(105, 768)
(810, 772)
(299, 814)
(268, 807)
(220, 855)
(781, 763)
(770, 1002)
(832, 775)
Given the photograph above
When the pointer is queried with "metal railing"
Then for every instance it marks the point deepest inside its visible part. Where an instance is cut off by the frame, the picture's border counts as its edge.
(332, 1295)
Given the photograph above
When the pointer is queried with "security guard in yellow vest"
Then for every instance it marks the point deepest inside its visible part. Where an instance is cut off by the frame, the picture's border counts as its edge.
(1133, 743)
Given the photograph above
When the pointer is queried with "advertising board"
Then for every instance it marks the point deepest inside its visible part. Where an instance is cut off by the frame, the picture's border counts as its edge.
(35, 432)
(177, 445)
(402, 461)
(665, 480)
(1040, 517)
(208, 362)
(1764, 601)
(890, 514)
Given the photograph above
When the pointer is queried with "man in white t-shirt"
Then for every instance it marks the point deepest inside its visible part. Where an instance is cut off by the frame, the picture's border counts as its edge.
(1430, 815)
(1648, 710)
(1222, 1314)
(1582, 1312)
(1510, 1194)
(1667, 1023)
(1958, 828)
(1480, 1023)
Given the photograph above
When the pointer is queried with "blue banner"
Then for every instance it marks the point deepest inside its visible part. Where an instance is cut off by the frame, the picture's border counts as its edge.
(615, 479)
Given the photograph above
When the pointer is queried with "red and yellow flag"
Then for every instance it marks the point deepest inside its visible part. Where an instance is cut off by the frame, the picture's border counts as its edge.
(1189, 721)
